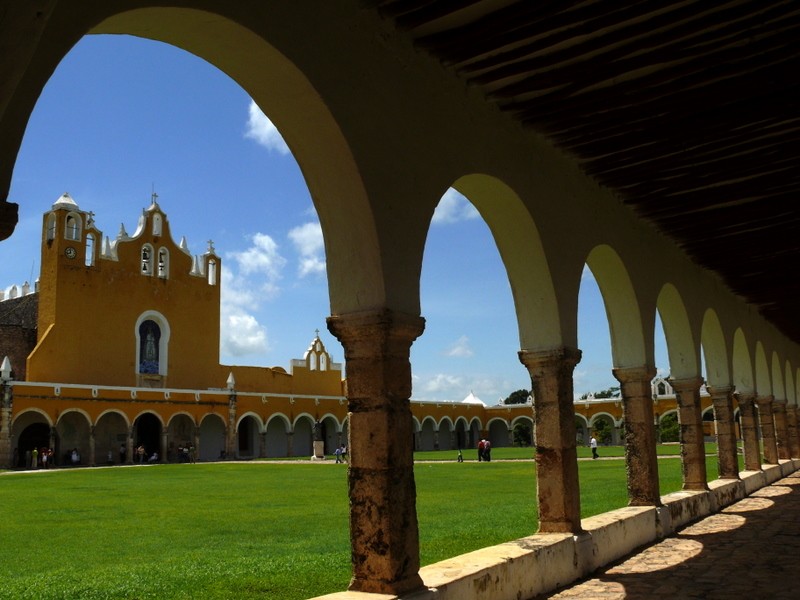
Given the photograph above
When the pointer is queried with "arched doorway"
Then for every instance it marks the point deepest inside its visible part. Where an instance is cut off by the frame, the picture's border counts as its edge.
(73, 431)
(212, 438)
(36, 435)
(248, 445)
(110, 436)
(147, 433)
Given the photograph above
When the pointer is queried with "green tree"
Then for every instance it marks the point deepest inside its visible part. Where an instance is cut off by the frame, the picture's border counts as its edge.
(523, 435)
(669, 428)
(518, 397)
(602, 431)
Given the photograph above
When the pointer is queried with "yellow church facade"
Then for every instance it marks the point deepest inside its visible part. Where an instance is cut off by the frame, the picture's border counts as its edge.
(126, 356)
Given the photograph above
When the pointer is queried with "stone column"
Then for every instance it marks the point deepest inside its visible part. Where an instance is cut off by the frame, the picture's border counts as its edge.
(693, 450)
(794, 434)
(92, 445)
(290, 443)
(640, 445)
(767, 422)
(722, 399)
(384, 533)
(747, 414)
(129, 447)
(6, 403)
(230, 440)
(781, 429)
(196, 442)
(558, 488)
(510, 437)
(435, 439)
(162, 452)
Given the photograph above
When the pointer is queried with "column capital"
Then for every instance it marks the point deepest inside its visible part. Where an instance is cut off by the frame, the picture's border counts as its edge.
(357, 330)
(720, 391)
(634, 374)
(764, 400)
(546, 360)
(686, 384)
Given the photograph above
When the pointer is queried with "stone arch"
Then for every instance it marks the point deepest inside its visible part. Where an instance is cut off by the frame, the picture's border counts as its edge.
(611, 423)
(248, 435)
(541, 323)
(791, 392)
(497, 432)
(475, 432)
(180, 433)
(147, 428)
(445, 430)
(284, 92)
(302, 435)
(72, 433)
(427, 434)
(461, 432)
(684, 360)
(212, 437)
(331, 428)
(743, 371)
(629, 345)
(581, 429)
(30, 428)
(778, 389)
(763, 373)
(277, 431)
(715, 351)
(110, 434)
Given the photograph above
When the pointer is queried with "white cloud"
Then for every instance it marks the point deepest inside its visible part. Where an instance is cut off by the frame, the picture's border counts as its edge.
(452, 208)
(261, 129)
(242, 334)
(308, 242)
(251, 279)
(262, 257)
(460, 348)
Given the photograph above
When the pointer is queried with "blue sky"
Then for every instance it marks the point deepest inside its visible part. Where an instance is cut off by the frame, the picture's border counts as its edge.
(122, 117)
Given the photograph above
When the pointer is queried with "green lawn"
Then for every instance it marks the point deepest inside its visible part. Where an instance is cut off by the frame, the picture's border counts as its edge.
(215, 531)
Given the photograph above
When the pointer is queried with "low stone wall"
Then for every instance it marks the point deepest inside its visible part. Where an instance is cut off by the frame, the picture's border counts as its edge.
(541, 563)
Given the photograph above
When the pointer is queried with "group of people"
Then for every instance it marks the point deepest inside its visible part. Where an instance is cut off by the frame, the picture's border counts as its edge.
(340, 453)
(484, 451)
(40, 458)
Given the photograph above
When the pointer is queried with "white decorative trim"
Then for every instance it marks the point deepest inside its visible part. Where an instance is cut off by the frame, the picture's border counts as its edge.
(94, 392)
(57, 390)
(133, 394)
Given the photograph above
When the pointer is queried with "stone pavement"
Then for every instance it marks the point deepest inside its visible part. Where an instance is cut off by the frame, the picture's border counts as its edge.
(750, 550)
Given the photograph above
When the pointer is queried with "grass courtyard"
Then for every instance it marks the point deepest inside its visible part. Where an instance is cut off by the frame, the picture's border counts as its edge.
(254, 530)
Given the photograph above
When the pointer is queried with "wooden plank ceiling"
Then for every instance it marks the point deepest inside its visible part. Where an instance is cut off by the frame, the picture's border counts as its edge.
(687, 110)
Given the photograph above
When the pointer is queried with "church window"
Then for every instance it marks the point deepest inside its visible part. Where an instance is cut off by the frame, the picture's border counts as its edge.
(51, 227)
(156, 224)
(662, 389)
(163, 263)
(73, 229)
(147, 260)
(323, 362)
(89, 250)
(212, 272)
(149, 347)
(312, 362)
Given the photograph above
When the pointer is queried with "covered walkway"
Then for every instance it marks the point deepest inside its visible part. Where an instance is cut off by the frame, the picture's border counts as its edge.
(748, 549)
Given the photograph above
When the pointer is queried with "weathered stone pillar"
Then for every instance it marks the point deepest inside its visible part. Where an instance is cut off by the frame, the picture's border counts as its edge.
(767, 422)
(196, 442)
(510, 437)
(92, 445)
(6, 403)
(794, 434)
(556, 457)
(747, 414)
(384, 534)
(230, 439)
(639, 433)
(722, 399)
(162, 452)
(435, 439)
(129, 446)
(693, 449)
(290, 443)
(781, 429)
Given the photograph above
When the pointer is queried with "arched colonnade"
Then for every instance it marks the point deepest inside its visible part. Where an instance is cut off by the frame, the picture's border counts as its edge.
(369, 172)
